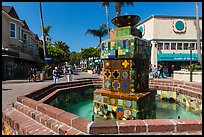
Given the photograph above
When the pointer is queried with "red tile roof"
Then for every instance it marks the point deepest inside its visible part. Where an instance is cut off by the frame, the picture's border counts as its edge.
(10, 11)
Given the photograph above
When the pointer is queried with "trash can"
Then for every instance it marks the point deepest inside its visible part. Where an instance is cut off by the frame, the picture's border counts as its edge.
(42, 76)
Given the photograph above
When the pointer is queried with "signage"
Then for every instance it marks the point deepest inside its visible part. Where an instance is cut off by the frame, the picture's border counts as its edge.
(176, 57)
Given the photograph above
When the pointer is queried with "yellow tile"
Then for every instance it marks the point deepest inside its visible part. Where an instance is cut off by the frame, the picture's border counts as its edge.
(164, 92)
(174, 95)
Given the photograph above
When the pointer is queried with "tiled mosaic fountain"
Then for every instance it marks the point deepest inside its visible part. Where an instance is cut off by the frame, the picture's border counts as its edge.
(125, 93)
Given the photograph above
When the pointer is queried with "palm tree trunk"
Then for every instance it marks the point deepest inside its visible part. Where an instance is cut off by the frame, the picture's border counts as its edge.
(198, 35)
(43, 34)
(118, 9)
(100, 40)
(107, 20)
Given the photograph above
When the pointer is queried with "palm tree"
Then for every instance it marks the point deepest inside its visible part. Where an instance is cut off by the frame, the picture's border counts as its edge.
(106, 5)
(62, 45)
(43, 34)
(118, 6)
(47, 30)
(101, 32)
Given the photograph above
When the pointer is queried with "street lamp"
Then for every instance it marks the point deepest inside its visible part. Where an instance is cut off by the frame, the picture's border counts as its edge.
(190, 48)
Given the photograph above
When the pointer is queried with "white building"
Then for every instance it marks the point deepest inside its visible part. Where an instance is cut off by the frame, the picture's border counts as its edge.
(170, 38)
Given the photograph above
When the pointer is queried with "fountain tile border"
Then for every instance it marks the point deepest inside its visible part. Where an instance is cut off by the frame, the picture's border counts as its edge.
(30, 107)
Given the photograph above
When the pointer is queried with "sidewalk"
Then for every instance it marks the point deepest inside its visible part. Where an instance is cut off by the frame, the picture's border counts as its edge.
(11, 89)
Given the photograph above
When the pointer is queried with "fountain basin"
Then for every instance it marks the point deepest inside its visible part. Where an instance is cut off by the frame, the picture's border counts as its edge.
(34, 107)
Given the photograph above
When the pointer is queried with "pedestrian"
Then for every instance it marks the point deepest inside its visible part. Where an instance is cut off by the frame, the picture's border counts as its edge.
(34, 72)
(30, 75)
(161, 71)
(69, 73)
(55, 74)
(154, 71)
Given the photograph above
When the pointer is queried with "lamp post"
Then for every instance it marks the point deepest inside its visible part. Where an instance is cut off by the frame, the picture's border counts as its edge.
(190, 48)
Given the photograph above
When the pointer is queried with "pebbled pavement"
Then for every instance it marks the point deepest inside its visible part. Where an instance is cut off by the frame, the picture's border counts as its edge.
(11, 89)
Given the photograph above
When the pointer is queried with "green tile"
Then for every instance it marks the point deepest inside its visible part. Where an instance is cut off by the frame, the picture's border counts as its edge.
(135, 105)
(120, 102)
(134, 114)
(109, 108)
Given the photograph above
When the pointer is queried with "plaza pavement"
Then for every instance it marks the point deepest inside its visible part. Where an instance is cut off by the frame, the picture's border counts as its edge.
(11, 89)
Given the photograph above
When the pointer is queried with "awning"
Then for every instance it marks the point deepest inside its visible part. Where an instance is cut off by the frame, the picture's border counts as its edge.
(176, 57)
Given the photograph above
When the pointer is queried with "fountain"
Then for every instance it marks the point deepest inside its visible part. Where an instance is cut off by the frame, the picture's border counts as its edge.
(125, 92)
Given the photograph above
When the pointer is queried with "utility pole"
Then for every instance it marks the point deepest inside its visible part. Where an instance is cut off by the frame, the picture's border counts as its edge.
(198, 34)
(43, 34)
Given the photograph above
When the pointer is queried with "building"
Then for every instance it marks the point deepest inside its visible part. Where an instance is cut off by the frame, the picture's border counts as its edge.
(170, 38)
(19, 46)
(48, 39)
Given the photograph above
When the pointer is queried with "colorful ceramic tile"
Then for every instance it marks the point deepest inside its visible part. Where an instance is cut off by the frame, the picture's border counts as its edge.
(112, 101)
(116, 74)
(124, 85)
(109, 108)
(120, 102)
(127, 113)
(107, 73)
(128, 103)
(116, 85)
(98, 98)
(107, 83)
(125, 64)
(135, 105)
(134, 114)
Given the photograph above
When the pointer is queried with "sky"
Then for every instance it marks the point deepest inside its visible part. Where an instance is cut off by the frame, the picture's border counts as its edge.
(70, 20)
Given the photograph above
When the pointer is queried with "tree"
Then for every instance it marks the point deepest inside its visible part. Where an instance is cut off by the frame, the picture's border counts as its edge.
(65, 48)
(47, 30)
(75, 58)
(118, 6)
(106, 5)
(101, 32)
(43, 34)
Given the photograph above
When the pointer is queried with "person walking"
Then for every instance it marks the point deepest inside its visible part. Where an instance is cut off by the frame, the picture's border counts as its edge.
(55, 74)
(34, 73)
(161, 71)
(69, 73)
(154, 71)
(30, 75)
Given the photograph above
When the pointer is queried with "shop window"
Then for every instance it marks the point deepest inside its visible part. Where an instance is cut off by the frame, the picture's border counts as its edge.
(192, 45)
(173, 46)
(197, 46)
(166, 46)
(160, 46)
(185, 46)
(179, 46)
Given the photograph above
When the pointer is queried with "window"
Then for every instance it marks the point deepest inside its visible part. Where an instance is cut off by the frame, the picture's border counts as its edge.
(185, 46)
(197, 46)
(25, 37)
(160, 46)
(166, 46)
(179, 46)
(30, 41)
(13, 30)
(20, 33)
(192, 45)
(173, 46)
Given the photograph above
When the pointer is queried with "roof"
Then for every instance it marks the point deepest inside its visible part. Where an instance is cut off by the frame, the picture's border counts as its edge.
(167, 16)
(10, 11)
(36, 37)
(25, 26)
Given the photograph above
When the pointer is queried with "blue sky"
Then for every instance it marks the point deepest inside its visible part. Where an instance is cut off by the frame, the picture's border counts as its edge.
(70, 20)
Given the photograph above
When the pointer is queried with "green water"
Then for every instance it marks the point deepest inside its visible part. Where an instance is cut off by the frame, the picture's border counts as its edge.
(164, 110)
